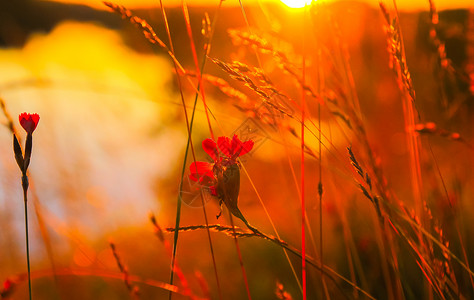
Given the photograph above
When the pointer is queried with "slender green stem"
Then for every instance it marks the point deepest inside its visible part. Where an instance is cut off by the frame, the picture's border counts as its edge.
(188, 146)
(25, 190)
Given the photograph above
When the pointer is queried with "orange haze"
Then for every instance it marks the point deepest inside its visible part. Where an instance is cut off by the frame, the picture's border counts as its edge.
(408, 5)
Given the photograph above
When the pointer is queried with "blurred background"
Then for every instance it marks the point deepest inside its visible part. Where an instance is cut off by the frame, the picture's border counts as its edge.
(110, 145)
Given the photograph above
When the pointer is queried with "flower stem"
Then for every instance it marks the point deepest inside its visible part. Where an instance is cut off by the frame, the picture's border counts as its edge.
(25, 198)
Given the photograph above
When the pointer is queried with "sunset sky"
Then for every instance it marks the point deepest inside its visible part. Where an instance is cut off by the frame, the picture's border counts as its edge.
(402, 4)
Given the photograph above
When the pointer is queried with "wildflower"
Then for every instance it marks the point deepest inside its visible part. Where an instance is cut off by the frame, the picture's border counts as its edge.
(223, 174)
(234, 148)
(225, 152)
(29, 121)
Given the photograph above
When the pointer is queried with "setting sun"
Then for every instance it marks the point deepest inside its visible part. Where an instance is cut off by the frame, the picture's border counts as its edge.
(296, 3)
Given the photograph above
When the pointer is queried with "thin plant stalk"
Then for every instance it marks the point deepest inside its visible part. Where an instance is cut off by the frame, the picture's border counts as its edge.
(41, 222)
(189, 145)
(29, 123)
(25, 200)
(320, 78)
(239, 253)
(201, 89)
(273, 225)
(303, 206)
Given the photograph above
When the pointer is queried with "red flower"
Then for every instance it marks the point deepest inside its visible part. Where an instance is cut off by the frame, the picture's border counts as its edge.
(201, 172)
(235, 147)
(224, 152)
(29, 121)
(230, 149)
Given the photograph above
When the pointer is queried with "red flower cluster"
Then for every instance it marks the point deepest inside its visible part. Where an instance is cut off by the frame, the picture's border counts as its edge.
(224, 153)
(29, 121)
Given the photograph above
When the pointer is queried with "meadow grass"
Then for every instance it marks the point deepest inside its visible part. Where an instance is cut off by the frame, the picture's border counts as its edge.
(346, 199)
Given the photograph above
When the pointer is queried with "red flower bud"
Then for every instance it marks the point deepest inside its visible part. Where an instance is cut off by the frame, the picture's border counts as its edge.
(29, 121)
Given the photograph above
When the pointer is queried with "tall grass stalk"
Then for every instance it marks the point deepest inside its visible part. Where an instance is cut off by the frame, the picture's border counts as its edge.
(25, 200)
(189, 145)
(242, 267)
(303, 202)
(320, 89)
(199, 90)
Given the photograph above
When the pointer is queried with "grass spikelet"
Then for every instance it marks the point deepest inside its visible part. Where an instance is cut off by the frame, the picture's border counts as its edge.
(133, 289)
(146, 29)
(228, 230)
(396, 50)
(366, 178)
(241, 99)
(342, 117)
(237, 75)
(354, 162)
(444, 62)
(431, 128)
(159, 234)
(248, 82)
(264, 47)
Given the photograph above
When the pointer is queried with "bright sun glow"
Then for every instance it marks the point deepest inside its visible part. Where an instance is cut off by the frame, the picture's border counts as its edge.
(296, 3)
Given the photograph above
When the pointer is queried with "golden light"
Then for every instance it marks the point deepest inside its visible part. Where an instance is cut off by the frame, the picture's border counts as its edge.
(296, 3)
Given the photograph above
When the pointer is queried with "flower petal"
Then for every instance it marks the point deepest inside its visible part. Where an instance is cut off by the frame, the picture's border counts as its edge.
(210, 147)
(201, 167)
(224, 145)
(246, 147)
(201, 171)
(240, 148)
(29, 121)
(235, 144)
